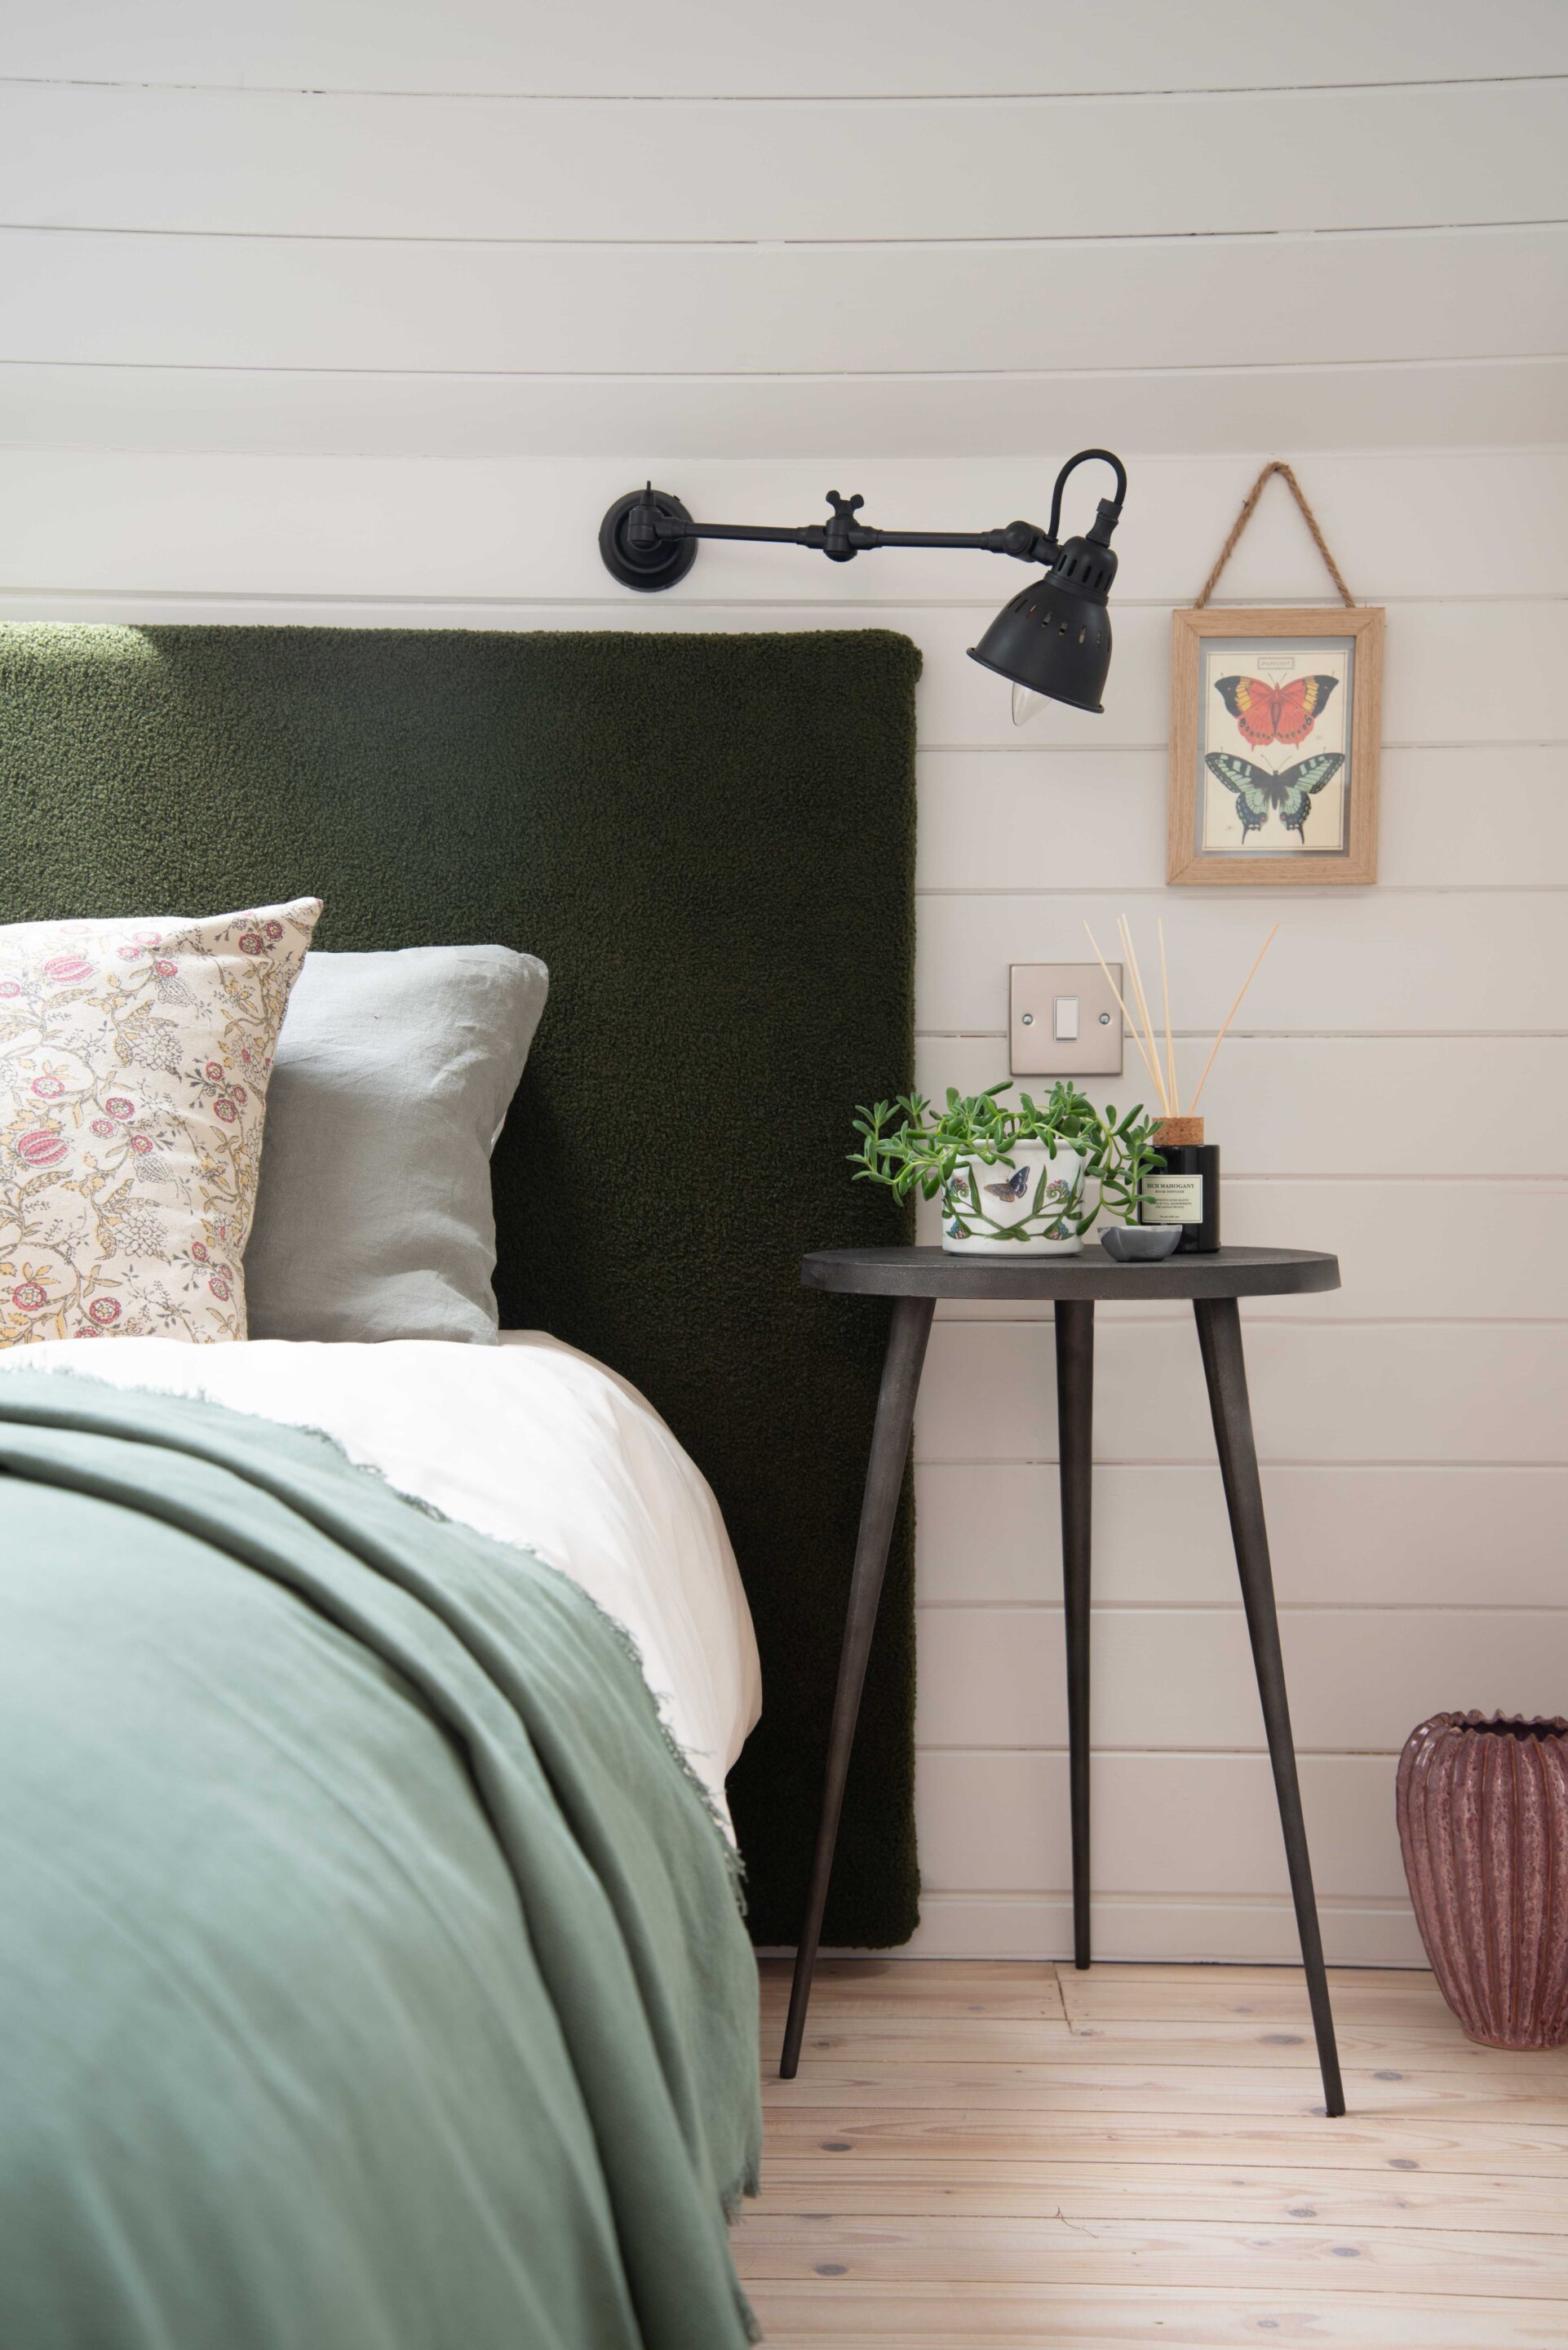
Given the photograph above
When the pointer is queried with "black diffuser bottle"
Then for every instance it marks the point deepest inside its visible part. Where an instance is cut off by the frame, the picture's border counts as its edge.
(1186, 1191)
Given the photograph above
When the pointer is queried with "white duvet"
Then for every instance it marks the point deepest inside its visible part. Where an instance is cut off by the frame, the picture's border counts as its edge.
(528, 1440)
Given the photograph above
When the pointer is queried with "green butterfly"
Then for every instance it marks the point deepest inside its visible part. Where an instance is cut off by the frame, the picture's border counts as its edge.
(1291, 792)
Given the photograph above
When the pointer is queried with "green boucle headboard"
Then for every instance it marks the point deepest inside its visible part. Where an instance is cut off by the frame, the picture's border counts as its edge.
(710, 839)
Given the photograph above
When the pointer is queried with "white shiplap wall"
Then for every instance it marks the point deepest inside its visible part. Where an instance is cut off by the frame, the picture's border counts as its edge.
(364, 313)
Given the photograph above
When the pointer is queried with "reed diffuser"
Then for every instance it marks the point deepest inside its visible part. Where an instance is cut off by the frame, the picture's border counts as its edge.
(1186, 1191)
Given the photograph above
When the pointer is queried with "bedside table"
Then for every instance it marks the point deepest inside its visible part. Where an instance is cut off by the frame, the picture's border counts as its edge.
(914, 1278)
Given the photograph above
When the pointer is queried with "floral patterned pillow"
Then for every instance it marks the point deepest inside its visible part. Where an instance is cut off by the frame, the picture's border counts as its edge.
(134, 1059)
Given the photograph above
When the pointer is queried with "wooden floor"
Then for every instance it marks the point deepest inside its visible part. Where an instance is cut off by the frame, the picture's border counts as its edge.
(1008, 2156)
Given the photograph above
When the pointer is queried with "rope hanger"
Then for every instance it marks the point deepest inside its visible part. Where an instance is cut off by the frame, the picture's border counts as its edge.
(1275, 465)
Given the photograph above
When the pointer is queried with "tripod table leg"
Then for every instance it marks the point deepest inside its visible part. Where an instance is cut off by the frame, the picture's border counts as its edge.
(884, 1481)
(1074, 1424)
(1220, 1337)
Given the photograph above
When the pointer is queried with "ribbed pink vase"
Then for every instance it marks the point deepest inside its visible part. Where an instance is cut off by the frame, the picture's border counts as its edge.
(1483, 1825)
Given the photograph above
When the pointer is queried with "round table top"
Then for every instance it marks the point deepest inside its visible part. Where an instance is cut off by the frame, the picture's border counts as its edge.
(1091, 1275)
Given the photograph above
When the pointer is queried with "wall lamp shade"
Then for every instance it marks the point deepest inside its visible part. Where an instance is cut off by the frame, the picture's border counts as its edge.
(1052, 640)
(1052, 643)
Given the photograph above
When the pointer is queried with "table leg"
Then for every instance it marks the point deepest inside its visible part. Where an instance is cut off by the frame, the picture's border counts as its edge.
(879, 1506)
(1224, 1367)
(1075, 1427)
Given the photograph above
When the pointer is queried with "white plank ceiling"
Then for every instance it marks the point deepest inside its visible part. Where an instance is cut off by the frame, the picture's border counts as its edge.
(749, 233)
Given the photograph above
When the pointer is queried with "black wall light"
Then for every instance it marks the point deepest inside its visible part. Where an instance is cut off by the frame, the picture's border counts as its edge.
(1053, 639)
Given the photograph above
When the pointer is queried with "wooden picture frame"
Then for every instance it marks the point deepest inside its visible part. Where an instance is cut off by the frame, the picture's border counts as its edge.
(1247, 785)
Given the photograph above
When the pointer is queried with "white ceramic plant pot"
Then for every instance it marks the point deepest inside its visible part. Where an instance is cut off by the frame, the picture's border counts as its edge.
(1014, 1211)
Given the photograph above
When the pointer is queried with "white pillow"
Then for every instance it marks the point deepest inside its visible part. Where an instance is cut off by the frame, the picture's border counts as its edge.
(134, 1060)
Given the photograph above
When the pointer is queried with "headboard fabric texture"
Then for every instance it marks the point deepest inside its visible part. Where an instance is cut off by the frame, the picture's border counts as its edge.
(710, 839)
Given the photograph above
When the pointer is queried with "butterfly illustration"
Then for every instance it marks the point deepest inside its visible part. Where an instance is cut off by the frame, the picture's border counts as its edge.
(1290, 792)
(1269, 714)
(1014, 1188)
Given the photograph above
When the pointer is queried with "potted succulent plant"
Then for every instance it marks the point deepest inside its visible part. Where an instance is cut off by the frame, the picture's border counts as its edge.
(1012, 1178)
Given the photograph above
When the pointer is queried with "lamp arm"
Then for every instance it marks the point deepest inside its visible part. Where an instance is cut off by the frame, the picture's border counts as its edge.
(840, 539)
(648, 539)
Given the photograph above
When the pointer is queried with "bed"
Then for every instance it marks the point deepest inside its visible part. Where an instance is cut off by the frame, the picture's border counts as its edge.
(374, 1961)
(710, 841)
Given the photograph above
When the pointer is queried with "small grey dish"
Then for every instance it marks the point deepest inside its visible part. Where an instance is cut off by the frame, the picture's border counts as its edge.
(1140, 1243)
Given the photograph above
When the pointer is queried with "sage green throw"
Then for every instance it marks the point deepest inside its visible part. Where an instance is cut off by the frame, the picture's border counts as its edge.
(372, 1976)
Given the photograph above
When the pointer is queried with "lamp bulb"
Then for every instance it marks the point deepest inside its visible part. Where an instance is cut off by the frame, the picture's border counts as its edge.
(1027, 705)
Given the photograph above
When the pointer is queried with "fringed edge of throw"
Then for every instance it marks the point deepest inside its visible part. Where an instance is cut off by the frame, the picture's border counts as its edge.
(734, 1864)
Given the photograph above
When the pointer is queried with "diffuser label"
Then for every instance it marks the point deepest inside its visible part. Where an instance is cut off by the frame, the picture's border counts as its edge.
(1172, 1199)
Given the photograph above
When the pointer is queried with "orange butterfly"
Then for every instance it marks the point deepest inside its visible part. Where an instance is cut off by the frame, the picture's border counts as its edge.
(1269, 713)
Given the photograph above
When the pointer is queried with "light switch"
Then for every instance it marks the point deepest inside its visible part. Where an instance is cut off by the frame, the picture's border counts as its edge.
(1065, 1020)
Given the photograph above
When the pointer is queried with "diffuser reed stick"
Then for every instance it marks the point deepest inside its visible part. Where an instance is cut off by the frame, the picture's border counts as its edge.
(1218, 1040)
(1131, 1024)
(1144, 1037)
(1124, 931)
(1165, 985)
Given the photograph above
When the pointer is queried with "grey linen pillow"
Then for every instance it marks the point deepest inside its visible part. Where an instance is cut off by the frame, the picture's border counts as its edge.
(392, 1080)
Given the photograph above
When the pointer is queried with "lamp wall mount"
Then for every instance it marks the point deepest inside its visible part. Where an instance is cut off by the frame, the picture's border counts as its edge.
(1053, 639)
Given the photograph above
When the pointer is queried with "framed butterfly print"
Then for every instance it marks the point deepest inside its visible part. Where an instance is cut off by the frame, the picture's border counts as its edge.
(1274, 728)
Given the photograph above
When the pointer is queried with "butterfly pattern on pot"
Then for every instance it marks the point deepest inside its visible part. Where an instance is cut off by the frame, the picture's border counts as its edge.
(1274, 714)
(1014, 1187)
(1290, 794)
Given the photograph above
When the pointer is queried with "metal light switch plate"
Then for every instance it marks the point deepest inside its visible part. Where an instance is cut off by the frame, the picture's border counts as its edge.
(1066, 1021)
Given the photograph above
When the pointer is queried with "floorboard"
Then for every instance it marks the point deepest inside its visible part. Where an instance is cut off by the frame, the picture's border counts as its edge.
(981, 2156)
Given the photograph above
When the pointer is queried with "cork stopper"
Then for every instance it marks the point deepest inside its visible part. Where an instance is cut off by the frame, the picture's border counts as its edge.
(1176, 1131)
